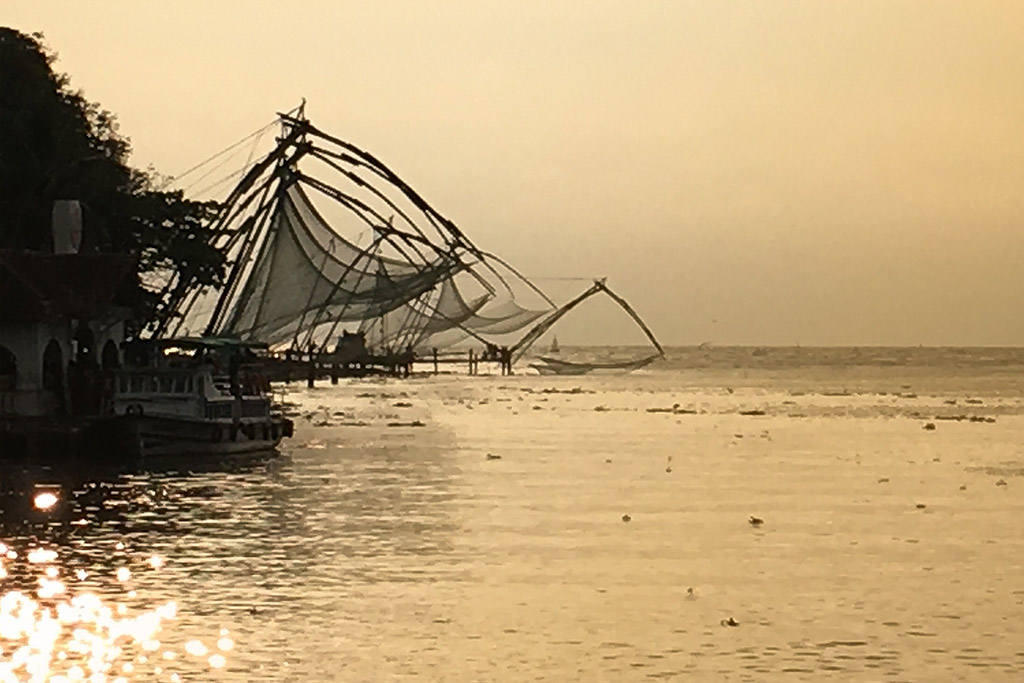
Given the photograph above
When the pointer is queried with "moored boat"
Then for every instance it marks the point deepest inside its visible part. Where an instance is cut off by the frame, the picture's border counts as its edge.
(554, 366)
(192, 396)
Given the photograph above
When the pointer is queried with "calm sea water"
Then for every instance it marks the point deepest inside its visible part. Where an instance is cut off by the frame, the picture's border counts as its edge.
(474, 529)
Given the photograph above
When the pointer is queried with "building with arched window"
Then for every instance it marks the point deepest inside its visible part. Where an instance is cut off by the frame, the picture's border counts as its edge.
(58, 331)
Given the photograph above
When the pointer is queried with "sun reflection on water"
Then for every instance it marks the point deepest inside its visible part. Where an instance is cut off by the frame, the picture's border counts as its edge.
(45, 500)
(61, 632)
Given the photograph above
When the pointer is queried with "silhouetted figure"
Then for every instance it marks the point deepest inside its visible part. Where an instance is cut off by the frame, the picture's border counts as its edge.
(93, 385)
(108, 381)
(76, 387)
(8, 379)
(408, 359)
(234, 367)
(311, 369)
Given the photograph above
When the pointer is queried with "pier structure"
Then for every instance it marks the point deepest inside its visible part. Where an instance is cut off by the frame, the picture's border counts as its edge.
(311, 367)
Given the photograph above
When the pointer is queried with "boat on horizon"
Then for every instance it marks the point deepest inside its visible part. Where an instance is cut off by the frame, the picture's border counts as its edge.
(545, 365)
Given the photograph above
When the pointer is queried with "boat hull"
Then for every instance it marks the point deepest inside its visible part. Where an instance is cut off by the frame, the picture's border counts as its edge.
(158, 435)
(548, 369)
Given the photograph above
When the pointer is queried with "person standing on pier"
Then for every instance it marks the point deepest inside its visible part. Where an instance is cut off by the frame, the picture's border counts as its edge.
(506, 360)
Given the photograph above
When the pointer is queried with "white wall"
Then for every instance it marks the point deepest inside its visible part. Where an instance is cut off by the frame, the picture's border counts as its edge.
(28, 341)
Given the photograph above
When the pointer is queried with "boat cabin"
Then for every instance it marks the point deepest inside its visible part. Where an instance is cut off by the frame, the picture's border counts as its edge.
(209, 378)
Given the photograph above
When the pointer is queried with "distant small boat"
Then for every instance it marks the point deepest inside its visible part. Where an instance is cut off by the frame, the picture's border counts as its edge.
(548, 365)
(553, 366)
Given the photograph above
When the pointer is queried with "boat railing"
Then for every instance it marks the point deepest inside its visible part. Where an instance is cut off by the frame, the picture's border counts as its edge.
(156, 381)
(237, 408)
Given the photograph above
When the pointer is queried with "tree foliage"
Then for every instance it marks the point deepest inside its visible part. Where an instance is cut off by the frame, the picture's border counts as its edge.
(55, 144)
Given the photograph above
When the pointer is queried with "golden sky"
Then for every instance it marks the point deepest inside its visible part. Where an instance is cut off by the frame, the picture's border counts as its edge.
(751, 172)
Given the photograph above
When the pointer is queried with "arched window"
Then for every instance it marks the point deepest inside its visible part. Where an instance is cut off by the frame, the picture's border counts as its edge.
(8, 369)
(53, 373)
(111, 358)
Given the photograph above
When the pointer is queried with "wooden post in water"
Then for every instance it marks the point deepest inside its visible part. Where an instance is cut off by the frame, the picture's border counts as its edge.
(435, 360)
(471, 362)
(334, 372)
(311, 371)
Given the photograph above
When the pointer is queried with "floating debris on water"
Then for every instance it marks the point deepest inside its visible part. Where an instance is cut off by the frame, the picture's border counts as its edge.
(552, 390)
(929, 426)
(626, 518)
(729, 622)
(967, 418)
(493, 456)
(755, 521)
(676, 409)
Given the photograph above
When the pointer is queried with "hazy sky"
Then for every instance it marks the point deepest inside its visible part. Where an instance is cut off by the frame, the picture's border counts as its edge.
(757, 172)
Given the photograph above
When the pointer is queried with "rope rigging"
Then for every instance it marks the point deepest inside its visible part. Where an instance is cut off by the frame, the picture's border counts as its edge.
(295, 277)
(561, 366)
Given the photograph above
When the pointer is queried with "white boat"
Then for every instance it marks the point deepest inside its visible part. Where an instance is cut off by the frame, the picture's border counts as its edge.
(193, 397)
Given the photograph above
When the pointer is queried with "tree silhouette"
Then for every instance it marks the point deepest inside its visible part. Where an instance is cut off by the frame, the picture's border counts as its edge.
(55, 144)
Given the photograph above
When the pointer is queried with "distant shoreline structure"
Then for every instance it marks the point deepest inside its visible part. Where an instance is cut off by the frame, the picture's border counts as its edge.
(807, 347)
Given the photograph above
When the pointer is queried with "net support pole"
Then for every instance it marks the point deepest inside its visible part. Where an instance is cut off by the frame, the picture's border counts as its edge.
(633, 314)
